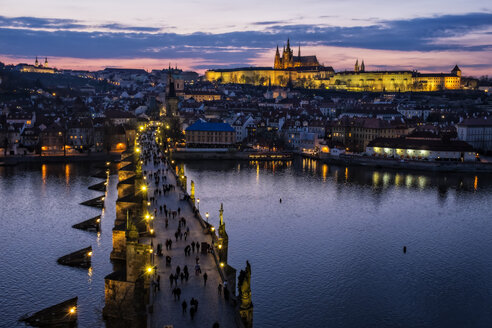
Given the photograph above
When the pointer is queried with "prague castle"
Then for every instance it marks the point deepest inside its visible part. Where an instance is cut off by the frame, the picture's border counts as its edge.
(306, 71)
(288, 60)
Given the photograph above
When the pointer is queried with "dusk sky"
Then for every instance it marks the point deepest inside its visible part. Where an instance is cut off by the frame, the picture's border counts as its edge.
(424, 35)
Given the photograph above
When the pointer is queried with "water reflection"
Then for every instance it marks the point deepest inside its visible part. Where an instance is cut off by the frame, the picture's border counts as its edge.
(378, 179)
(347, 225)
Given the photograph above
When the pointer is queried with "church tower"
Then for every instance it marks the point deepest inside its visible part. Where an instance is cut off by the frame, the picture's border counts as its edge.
(456, 71)
(36, 63)
(362, 66)
(356, 67)
(171, 98)
(46, 62)
(277, 64)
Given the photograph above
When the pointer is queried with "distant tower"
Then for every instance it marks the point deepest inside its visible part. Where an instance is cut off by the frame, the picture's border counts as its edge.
(299, 52)
(356, 67)
(288, 57)
(456, 71)
(46, 62)
(223, 237)
(362, 66)
(36, 63)
(171, 98)
(278, 62)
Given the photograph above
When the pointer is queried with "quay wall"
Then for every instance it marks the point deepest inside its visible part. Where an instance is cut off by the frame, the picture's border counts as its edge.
(94, 157)
(434, 166)
(194, 155)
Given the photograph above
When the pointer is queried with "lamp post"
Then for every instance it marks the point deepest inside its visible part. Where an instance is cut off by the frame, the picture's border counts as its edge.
(198, 204)
(206, 215)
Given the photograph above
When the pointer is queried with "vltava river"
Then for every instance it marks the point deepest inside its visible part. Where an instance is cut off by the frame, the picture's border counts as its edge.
(329, 255)
(39, 205)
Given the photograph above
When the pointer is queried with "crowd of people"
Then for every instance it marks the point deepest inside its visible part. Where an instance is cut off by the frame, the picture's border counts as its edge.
(163, 187)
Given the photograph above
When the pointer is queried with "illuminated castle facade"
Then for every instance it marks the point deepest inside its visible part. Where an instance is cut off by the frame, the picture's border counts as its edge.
(306, 71)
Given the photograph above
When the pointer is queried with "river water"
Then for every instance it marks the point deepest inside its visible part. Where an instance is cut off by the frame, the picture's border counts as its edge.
(329, 255)
(39, 205)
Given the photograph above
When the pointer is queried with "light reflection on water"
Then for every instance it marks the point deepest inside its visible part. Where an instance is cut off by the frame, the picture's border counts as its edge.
(40, 203)
(330, 254)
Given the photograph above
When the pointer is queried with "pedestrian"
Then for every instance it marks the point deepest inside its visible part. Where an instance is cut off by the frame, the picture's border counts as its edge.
(178, 292)
(205, 277)
(193, 246)
(226, 293)
(179, 210)
(197, 259)
(195, 304)
(184, 305)
(192, 312)
(219, 288)
(158, 282)
(171, 279)
(197, 247)
(178, 270)
(182, 276)
(175, 293)
(216, 325)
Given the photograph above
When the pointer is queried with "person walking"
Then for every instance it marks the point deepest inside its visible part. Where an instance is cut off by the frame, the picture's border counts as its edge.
(219, 288)
(184, 306)
(205, 277)
(178, 292)
(171, 279)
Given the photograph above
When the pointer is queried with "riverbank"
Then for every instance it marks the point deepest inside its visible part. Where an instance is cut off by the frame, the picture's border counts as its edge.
(195, 154)
(93, 157)
(433, 166)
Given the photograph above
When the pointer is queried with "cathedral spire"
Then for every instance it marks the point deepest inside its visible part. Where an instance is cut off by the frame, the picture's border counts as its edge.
(356, 67)
(299, 51)
(36, 63)
(277, 62)
(362, 66)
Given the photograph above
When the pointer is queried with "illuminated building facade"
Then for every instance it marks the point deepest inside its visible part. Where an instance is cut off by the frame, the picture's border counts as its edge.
(305, 71)
(38, 67)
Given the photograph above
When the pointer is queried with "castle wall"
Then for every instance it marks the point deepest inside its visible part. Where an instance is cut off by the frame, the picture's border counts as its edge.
(352, 81)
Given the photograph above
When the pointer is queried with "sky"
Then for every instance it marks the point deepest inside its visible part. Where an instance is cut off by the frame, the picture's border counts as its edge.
(429, 36)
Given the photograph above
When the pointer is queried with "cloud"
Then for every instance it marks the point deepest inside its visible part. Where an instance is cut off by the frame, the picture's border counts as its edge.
(120, 27)
(30, 36)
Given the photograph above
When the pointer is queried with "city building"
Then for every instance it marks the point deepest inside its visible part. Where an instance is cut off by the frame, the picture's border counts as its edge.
(202, 134)
(421, 149)
(356, 133)
(477, 132)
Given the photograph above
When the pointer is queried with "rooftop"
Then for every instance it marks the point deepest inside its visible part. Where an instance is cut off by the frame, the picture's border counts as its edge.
(201, 125)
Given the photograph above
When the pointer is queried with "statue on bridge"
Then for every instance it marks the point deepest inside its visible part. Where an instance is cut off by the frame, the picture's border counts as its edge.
(244, 289)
